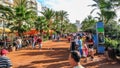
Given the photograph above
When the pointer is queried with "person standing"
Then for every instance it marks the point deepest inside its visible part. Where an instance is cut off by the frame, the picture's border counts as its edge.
(34, 42)
(39, 40)
(19, 43)
(91, 47)
(72, 45)
(85, 50)
(53, 37)
(79, 45)
(5, 62)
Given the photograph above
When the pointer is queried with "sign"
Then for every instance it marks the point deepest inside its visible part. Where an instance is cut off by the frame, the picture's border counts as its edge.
(100, 37)
(100, 32)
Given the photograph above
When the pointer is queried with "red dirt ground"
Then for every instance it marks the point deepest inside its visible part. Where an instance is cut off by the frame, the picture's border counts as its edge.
(53, 55)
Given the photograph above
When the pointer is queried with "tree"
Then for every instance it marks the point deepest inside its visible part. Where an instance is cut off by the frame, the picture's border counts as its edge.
(106, 8)
(112, 28)
(88, 23)
(6, 11)
(71, 28)
(48, 14)
(57, 22)
(24, 17)
(40, 24)
(6, 15)
(63, 17)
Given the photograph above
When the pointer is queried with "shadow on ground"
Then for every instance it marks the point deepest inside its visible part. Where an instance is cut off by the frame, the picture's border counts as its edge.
(26, 66)
(58, 58)
(104, 63)
(59, 65)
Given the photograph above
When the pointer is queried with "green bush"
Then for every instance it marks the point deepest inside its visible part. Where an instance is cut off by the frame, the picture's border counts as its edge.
(111, 43)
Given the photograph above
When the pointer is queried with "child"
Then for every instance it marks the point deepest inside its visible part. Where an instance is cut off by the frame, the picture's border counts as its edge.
(85, 50)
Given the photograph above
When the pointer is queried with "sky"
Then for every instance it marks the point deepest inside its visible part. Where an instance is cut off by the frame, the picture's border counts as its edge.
(77, 9)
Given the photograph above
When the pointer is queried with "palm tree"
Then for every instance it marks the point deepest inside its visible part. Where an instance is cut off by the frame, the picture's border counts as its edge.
(106, 10)
(71, 28)
(41, 24)
(48, 14)
(63, 17)
(23, 16)
(88, 23)
(65, 26)
(6, 11)
(56, 22)
(6, 16)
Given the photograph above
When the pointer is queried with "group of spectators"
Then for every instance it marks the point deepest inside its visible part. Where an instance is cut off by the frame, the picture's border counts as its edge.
(20, 42)
(55, 37)
(82, 45)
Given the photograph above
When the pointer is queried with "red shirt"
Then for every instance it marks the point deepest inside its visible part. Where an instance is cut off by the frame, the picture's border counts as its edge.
(39, 40)
(90, 41)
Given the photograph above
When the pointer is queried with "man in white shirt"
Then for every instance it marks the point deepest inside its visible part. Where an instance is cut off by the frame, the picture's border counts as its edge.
(19, 43)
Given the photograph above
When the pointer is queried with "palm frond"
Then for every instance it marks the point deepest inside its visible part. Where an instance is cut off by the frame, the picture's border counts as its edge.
(93, 10)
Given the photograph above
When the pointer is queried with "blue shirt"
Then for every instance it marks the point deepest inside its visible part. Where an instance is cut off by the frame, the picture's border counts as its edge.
(80, 44)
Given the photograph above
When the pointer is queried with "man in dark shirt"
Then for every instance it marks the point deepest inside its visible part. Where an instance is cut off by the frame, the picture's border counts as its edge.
(4, 60)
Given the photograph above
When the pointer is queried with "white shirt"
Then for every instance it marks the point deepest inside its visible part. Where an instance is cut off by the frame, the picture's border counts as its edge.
(19, 41)
(76, 41)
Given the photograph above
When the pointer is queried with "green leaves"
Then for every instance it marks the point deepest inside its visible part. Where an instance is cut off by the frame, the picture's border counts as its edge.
(106, 9)
(48, 13)
(41, 23)
(22, 18)
(88, 23)
(111, 43)
(63, 15)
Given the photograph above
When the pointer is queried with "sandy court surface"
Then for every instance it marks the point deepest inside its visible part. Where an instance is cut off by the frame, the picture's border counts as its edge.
(54, 55)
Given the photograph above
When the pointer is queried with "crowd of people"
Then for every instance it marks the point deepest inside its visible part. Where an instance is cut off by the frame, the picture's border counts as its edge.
(82, 43)
(27, 41)
(20, 42)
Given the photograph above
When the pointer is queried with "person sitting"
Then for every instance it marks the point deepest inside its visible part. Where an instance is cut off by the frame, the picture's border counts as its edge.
(74, 59)
(4, 60)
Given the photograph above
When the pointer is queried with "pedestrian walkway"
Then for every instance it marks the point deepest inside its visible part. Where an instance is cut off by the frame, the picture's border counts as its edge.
(53, 55)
